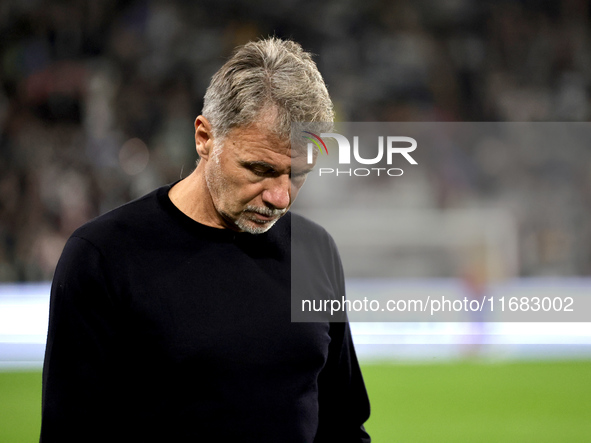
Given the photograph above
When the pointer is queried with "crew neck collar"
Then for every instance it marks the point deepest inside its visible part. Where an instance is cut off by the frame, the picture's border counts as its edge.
(194, 226)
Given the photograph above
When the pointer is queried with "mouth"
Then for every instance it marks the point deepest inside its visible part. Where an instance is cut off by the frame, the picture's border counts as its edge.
(263, 217)
(257, 217)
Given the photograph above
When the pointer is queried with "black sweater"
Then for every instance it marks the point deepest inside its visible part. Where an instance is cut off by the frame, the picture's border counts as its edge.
(165, 330)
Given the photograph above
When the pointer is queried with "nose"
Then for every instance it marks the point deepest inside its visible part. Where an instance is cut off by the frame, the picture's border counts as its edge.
(277, 193)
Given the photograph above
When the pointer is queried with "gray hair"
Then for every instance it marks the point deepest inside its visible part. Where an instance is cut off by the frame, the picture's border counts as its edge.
(269, 73)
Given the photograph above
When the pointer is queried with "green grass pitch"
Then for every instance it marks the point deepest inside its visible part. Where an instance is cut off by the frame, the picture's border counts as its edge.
(447, 402)
(480, 402)
(20, 406)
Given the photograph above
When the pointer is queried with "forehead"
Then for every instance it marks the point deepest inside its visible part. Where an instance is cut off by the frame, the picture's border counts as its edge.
(259, 142)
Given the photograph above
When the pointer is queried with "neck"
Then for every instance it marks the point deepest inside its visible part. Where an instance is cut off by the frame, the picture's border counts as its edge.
(191, 196)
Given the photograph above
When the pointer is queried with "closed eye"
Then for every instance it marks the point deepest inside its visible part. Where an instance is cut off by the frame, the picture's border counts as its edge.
(260, 168)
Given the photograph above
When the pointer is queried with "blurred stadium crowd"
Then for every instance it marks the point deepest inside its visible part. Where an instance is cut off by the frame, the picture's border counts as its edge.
(98, 98)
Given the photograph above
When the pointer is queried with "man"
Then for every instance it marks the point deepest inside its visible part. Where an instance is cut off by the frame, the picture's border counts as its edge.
(170, 316)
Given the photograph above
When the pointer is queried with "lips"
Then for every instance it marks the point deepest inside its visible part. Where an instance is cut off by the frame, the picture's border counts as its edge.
(261, 218)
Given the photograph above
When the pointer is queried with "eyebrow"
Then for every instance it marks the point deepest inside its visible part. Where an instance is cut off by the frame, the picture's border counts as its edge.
(270, 167)
(257, 163)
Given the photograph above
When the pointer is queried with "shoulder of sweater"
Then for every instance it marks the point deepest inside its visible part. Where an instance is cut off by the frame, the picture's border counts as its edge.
(121, 221)
(304, 224)
(310, 232)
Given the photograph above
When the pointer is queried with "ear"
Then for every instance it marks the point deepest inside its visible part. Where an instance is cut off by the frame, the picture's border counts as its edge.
(203, 137)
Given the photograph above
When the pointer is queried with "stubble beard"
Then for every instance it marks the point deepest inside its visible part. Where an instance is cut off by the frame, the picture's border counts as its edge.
(217, 184)
(259, 226)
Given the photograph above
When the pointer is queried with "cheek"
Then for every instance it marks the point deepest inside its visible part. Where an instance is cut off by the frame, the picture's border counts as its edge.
(233, 189)
(242, 192)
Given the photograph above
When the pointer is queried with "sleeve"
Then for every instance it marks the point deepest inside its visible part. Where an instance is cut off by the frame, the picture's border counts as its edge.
(80, 381)
(342, 397)
(343, 401)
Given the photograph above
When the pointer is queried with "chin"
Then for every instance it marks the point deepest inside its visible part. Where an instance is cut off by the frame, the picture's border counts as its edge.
(253, 227)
